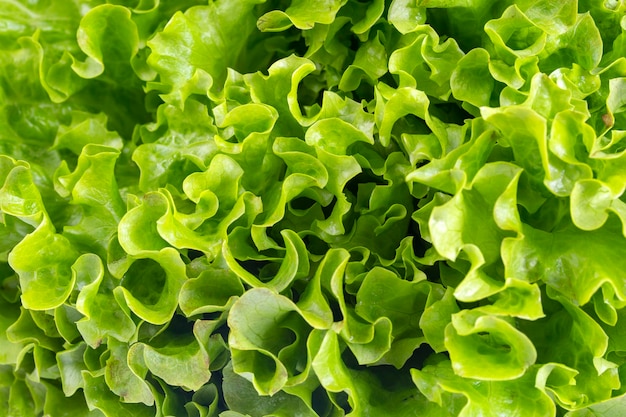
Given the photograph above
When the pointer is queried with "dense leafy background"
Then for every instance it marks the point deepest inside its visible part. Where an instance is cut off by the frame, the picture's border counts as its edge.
(312, 208)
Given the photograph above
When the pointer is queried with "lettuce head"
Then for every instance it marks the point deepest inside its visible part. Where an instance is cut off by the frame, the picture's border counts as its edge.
(312, 208)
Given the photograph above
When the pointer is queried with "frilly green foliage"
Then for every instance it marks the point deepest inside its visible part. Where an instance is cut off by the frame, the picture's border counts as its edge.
(312, 208)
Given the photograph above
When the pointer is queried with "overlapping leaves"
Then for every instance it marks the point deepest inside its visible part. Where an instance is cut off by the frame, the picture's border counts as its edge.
(317, 208)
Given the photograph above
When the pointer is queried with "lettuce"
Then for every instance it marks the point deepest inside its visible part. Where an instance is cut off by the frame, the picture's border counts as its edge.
(312, 208)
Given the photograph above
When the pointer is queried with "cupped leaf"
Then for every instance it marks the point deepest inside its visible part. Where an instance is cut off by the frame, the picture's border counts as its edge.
(151, 285)
(380, 295)
(20, 196)
(406, 16)
(425, 63)
(102, 27)
(279, 89)
(514, 35)
(104, 316)
(179, 360)
(398, 104)
(221, 202)
(204, 403)
(137, 230)
(367, 394)
(40, 259)
(487, 347)
(293, 264)
(215, 289)
(267, 340)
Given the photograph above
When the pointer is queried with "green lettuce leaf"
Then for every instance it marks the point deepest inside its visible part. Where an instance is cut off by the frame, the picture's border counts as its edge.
(473, 398)
(182, 75)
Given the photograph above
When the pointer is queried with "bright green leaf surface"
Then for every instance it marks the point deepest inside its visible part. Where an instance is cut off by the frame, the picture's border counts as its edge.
(327, 208)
